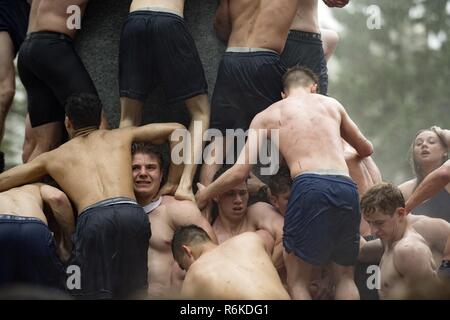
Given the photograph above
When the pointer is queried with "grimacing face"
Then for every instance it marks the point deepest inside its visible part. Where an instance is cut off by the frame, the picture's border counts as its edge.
(147, 174)
(233, 203)
(382, 224)
(428, 148)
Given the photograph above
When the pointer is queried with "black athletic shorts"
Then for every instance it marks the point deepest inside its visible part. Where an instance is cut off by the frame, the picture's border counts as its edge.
(247, 83)
(14, 20)
(305, 49)
(51, 71)
(28, 253)
(111, 248)
(156, 48)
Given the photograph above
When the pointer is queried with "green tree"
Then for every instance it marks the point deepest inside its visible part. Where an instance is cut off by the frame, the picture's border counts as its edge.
(394, 80)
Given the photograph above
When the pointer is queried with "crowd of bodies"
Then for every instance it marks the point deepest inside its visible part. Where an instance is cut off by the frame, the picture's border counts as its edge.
(102, 200)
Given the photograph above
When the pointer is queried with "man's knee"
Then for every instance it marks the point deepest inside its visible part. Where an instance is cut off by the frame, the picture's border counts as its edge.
(7, 93)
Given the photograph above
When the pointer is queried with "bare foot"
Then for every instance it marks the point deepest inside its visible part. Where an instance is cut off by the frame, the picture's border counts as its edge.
(168, 189)
(183, 194)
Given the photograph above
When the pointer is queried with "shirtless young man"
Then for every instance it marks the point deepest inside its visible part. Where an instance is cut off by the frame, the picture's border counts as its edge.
(51, 70)
(249, 75)
(238, 269)
(156, 48)
(28, 252)
(165, 215)
(93, 169)
(234, 217)
(411, 246)
(304, 45)
(322, 218)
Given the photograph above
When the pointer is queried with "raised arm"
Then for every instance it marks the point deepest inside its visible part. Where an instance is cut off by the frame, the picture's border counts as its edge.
(239, 171)
(64, 216)
(183, 213)
(351, 133)
(267, 218)
(443, 133)
(25, 173)
(431, 185)
(222, 21)
(156, 133)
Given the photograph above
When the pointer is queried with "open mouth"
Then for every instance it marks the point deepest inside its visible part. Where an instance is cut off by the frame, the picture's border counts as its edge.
(143, 183)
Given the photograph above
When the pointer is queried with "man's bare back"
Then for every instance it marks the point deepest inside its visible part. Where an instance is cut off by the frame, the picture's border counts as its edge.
(173, 5)
(310, 130)
(25, 201)
(259, 23)
(307, 16)
(90, 167)
(239, 268)
(53, 15)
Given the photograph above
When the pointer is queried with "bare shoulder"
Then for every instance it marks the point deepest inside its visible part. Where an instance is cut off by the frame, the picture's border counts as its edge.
(174, 206)
(407, 188)
(411, 254)
(262, 209)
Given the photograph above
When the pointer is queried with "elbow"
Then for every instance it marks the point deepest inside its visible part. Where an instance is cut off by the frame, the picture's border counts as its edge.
(366, 150)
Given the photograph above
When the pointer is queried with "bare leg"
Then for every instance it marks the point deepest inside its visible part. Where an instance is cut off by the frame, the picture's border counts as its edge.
(299, 276)
(198, 108)
(29, 143)
(47, 137)
(130, 112)
(345, 284)
(7, 79)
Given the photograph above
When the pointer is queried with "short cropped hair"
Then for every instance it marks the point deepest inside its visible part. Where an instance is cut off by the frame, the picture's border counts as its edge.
(149, 149)
(384, 197)
(299, 77)
(280, 182)
(187, 235)
(84, 110)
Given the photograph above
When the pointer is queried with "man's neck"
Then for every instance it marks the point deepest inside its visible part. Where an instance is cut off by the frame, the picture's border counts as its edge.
(398, 234)
(233, 227)
(298, 93)
(84, 131)
(145, 200)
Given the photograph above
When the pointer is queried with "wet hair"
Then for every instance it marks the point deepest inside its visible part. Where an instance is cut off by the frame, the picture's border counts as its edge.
(299, 77)
(149, 149)
(414, 164)
(190, 235)
(280, 182)
(84, 110)
(384, 197)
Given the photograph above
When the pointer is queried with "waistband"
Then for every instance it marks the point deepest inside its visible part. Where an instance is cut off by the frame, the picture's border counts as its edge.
(156, 10)
(248, 49)
(303, 35)
(48, 35)
(14, 218)
(325, 174)
(109, 202)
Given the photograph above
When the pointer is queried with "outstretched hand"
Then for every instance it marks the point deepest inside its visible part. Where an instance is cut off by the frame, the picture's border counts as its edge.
(336, 3)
